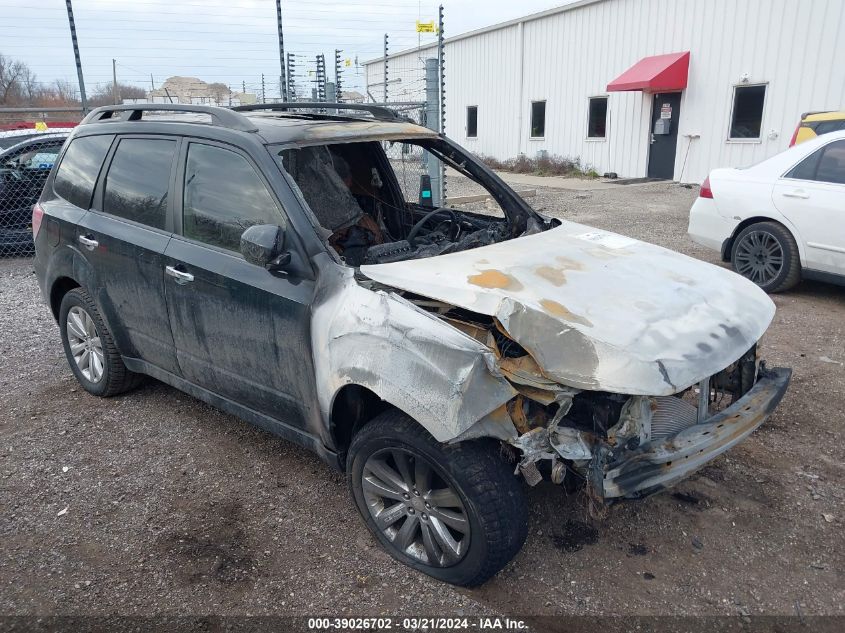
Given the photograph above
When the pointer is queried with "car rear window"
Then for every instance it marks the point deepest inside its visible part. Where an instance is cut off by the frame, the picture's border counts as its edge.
(80, 167)
(138, 180)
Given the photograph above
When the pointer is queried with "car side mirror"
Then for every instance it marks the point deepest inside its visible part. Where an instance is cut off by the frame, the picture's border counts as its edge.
(264, 245)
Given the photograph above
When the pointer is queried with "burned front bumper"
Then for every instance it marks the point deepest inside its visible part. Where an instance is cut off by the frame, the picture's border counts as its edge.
(649, 468)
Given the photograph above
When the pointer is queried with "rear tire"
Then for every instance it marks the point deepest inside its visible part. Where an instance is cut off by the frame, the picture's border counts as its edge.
(766, 253)
(89, 347)
(461, 523)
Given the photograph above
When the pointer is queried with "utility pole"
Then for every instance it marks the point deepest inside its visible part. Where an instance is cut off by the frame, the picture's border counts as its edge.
(114, 81)
(73, 39)
(152, 83)
(385, 67)
(263, 94)
(282, 82)
(244, 87)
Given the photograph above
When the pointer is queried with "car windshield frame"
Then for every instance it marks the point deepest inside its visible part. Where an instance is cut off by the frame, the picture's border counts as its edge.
(517, 212)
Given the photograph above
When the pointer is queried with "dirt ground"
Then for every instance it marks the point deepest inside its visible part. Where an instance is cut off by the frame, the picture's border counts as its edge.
(155, 503)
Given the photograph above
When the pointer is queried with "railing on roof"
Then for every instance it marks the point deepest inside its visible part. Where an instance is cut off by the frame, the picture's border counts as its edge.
(222, 117)
(380, 113)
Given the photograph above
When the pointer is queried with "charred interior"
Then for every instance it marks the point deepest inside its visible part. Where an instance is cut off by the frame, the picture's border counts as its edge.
(367, 218)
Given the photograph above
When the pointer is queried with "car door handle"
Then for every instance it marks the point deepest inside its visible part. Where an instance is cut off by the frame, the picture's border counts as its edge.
(180, 276)
(798, 193)
(88, 242)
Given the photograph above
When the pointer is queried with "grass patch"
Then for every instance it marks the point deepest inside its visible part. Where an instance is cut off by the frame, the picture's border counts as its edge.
(543, 166)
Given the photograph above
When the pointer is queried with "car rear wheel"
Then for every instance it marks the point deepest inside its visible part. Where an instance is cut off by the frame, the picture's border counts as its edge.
(766, 253)
(453, 511)
(90, 349)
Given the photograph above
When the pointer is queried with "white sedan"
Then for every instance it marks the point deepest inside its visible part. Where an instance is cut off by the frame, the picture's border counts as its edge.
(782, 219)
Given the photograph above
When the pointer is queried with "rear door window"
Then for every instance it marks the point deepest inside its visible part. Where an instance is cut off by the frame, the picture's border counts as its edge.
(80, 167)
(138, 181)
(832, 164)
(824, 165)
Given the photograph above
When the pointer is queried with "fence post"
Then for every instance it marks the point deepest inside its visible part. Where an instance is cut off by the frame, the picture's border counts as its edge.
(385, 67)
(283, 89)
(432, 121)
(441, 54)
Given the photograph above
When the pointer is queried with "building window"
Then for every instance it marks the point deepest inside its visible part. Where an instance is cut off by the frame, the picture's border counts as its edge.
(472, 121)
(747, 114)
(538, 119)
(597, 118)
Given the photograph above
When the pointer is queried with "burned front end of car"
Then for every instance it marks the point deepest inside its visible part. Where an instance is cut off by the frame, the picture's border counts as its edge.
(631, 365)
(624, 446)
(619, 446)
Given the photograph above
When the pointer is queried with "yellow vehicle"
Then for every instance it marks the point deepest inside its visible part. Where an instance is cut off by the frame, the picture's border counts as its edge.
(815, 124)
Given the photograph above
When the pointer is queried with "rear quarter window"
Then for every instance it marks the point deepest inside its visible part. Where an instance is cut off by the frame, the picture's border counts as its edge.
(79, 169)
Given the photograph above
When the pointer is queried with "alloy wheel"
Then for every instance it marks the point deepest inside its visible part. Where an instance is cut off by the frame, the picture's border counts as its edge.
(759, 257)
(85, 344)
(415, 507)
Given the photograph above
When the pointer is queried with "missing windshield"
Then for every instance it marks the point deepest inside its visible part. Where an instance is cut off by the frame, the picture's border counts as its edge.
(370, 200)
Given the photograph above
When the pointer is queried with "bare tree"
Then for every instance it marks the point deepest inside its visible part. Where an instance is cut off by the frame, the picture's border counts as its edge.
(20, 87)
(66, 92)
(219, 92)
(12, 74)
(104, 95)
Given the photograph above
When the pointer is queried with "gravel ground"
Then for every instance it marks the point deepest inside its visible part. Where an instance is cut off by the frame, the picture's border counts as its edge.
(155, 503)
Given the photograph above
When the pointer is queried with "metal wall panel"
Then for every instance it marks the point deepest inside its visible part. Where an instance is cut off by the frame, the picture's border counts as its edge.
(794, 46)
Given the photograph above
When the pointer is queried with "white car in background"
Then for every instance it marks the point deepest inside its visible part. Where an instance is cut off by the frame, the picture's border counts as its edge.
(782, 219)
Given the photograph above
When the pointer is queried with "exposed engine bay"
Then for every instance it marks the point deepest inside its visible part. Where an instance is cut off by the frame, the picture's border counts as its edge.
(357, 199)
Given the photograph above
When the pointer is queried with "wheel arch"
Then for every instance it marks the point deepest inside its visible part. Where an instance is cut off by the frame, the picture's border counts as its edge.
(60, 287)
(727, 245)
(353, 406)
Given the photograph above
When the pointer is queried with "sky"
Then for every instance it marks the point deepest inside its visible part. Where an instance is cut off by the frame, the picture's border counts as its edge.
(230, 41)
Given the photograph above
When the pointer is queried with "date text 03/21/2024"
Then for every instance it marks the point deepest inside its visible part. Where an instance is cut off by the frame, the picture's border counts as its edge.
(416, 624)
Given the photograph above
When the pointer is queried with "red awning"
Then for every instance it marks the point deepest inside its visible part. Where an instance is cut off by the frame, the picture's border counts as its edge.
(659, 73)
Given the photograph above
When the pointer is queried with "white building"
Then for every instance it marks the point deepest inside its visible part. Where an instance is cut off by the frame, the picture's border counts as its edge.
(663, 88)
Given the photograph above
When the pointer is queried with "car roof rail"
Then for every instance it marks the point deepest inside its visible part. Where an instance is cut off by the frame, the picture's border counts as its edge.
(222, 117)
(380, 113)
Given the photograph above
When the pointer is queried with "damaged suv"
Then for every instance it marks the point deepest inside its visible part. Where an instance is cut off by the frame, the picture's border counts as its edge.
(275, 263)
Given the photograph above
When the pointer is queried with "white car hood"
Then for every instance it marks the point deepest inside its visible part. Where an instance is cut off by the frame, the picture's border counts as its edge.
(598, 310)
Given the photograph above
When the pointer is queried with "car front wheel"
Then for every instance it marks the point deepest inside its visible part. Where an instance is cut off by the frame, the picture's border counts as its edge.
(453, 511)
(766, 253)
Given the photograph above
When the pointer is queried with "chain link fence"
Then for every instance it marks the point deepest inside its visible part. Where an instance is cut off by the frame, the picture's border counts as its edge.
(30, 141)
(410, 162)
(25, 162)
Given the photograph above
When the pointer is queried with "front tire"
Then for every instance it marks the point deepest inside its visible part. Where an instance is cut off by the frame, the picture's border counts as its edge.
(89, 347)
(766, 253)
(453, 511)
